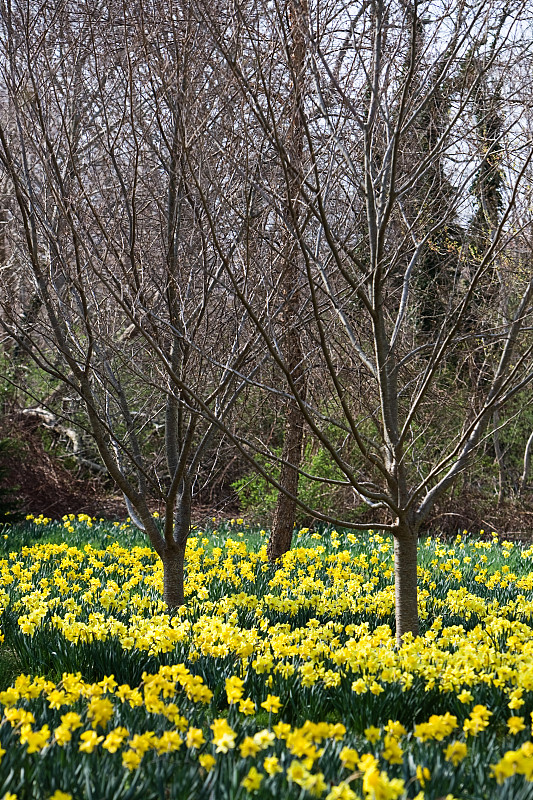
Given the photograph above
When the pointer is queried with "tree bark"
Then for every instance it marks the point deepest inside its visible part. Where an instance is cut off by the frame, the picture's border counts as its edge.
(177, 529)
(281, 537)
(173, 559)
(405, 575)
(500, 461)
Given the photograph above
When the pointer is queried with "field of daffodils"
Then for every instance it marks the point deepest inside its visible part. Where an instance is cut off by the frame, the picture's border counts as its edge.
(270, 682)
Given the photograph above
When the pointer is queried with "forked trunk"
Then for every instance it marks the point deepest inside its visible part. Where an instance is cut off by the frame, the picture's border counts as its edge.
(173, 576)
(405, 582)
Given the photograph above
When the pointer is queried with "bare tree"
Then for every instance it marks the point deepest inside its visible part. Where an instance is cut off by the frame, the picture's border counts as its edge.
(103, 140)
(370, 210)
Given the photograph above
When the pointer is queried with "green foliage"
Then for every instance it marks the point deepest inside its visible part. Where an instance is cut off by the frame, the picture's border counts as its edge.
(257, 496)
(10, 667)
(9, 503)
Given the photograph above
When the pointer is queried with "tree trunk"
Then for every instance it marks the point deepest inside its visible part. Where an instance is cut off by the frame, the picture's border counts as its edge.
(498, 452)
(405, 577)
(282, 527)
(177, 529)
(527, 465)
(173, 576)
(285, 512)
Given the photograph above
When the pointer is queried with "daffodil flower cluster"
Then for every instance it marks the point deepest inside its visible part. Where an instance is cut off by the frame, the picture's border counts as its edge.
(161, 728)
(271, 680)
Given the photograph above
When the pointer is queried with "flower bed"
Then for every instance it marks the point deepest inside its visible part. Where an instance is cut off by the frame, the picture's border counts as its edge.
(270, 682)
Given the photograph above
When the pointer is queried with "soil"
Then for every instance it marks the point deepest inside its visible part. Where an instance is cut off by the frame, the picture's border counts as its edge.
(42, 484)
